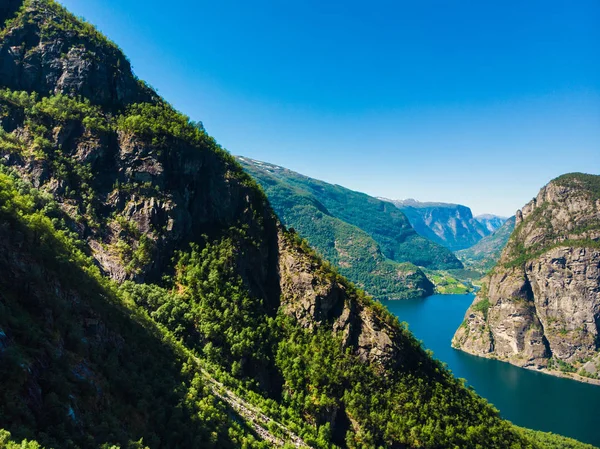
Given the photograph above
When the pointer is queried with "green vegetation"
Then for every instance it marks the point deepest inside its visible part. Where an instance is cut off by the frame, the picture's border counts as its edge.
(160, 122)
(549, 440)
(368, 240)
(590, 184)
(89, 362)
(482, 306)
(446, 283)
(484, 255)
(388, 226)
(116, 392)
(62, 23)
(561, 365)
(6, 442)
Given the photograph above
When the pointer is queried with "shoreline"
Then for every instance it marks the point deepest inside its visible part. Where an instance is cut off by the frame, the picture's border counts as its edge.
(571, 376)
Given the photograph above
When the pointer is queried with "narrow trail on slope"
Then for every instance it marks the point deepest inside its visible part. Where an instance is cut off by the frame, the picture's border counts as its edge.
(252, 415)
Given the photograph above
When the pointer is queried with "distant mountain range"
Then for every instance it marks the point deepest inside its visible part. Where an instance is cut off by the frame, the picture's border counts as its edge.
(484, 254)
(450, 225)
(369, 240)
(491, 222)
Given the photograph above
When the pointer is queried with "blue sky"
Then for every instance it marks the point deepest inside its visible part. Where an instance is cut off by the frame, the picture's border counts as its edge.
(464, 101)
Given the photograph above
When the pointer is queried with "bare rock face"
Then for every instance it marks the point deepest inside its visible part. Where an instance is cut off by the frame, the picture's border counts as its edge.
(33, 59)
(540, 307)
(316, 299)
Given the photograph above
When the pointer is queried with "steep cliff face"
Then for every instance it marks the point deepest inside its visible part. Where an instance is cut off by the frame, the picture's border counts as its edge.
(135, 193)
(491, 222)
(134, 251)
(316, 299)
(450, 225)
(540, 306)
(54, 54)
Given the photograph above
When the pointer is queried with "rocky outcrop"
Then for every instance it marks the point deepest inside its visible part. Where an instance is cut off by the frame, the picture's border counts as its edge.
(315, 299)
(450, 225)
(140, 199)
(79, 62)
(540, 307)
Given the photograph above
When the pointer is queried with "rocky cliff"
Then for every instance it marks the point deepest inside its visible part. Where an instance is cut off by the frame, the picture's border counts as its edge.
(450, 225)
(124, 226)
(540, 306)
(138, 263)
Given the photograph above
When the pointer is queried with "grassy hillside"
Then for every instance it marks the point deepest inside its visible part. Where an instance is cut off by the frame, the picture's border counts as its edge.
(383, 222)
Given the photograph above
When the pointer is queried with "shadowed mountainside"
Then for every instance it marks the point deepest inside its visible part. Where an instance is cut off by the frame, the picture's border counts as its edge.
(139, 260)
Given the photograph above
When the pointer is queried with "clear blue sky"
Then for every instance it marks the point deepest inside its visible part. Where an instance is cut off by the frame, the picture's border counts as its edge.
(465, 101)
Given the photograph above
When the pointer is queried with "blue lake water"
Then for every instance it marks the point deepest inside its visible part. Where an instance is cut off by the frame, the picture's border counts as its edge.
(527, 398)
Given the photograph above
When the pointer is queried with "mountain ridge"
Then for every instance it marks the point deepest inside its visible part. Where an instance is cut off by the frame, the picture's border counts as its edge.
(448, 224)
(135, 246)
(485, 254)
(539, 308)
(363, 237)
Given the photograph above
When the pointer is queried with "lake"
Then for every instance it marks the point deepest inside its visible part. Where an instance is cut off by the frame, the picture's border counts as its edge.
(527, 398)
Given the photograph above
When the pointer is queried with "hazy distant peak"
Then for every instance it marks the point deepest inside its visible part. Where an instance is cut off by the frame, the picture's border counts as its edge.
(411, 202)
(489, 217)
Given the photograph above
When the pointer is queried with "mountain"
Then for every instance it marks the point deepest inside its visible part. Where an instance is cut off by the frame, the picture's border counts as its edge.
(149, 297)
(388, 227)
(485, 254)
(491, 222)
(540, 306)
(450, 225)
(368, 240)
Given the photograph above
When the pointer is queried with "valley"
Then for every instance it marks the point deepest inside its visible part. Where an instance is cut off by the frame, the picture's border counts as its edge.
(158, 292)
(450, 225)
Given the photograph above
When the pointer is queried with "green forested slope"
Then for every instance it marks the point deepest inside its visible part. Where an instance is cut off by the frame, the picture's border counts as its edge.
(484, 254)
(383, 222)
(134, 251)
(80, 365)
(368, 240)
(353, 251)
